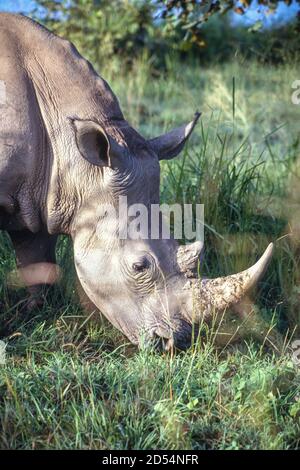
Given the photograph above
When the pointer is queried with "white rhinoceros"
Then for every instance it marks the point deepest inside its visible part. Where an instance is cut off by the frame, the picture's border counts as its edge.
(66, 152)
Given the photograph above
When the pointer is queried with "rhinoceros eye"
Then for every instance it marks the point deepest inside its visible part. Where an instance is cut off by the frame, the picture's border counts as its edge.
(141, 265)
(142, 273)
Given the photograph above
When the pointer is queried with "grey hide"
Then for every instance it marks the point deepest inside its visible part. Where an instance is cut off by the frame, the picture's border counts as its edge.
(66, 151)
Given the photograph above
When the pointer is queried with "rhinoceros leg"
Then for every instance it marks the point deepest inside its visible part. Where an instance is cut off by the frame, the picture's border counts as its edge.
(36, 263)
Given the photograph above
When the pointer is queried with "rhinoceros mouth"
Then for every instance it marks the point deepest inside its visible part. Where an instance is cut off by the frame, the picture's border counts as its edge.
(178, 336)
(163, 344)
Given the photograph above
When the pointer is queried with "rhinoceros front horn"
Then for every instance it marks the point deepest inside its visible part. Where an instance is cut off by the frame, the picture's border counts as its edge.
(213, 296)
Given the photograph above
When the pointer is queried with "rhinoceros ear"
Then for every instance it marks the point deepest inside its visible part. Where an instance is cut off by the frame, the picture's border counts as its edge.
(93, 142)
(169, 145)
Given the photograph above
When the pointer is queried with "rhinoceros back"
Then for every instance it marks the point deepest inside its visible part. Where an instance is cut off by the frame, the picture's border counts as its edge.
(44, 83)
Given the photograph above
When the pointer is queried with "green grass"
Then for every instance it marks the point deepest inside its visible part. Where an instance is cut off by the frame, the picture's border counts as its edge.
(71, 381)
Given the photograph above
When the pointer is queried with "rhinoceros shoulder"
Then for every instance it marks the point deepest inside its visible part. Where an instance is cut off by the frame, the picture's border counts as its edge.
(55, 65)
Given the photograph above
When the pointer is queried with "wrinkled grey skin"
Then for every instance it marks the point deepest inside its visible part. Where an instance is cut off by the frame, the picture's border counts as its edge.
(66, 149)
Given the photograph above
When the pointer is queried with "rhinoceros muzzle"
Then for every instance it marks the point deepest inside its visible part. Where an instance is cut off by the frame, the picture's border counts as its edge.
(192, 300)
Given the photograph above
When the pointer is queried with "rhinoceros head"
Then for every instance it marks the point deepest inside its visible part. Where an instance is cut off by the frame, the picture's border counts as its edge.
(138, 282)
